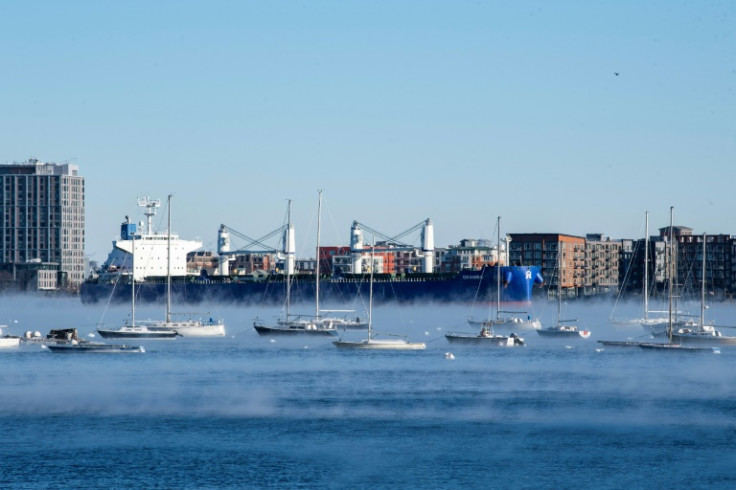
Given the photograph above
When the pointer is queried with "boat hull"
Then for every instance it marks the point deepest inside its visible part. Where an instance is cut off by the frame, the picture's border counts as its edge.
(9, 342)
(379, 345)
(492, 341)
(557, 333)
(128, 334)
(622, 343)
(703, 340)
(95, 349)
(285, 330)
(676, 347)
(466, 286)
(217, 330)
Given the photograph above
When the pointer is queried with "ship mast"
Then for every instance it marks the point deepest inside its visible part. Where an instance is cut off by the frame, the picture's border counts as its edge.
(132, 282)
(168, 264)
(316, 270)
(669, 278)
(646, 265)
(498, 269)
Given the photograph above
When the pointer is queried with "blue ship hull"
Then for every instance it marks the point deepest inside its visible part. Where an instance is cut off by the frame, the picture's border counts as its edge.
(516, 287)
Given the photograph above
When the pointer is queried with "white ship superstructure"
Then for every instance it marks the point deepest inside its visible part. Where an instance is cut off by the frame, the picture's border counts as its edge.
(151, 249)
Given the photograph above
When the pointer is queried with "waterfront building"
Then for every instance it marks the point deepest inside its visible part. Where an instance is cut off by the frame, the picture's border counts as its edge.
(248, 263)
(42, 208)
(719, 261)
(541, 249)
(602, 257)
(472, 254)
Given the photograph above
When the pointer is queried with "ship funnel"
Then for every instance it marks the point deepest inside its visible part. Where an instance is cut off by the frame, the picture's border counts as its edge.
(223, 249)
(428, 247)
(356, 248)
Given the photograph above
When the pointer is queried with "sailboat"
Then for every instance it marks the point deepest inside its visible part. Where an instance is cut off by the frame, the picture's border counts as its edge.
(515, 322)
(135, 330)
(167, 328)
(657, 323)
(562, 330)
(700, 332)
(340, 322)
(290, 324)
(670, 345)
(372, 343)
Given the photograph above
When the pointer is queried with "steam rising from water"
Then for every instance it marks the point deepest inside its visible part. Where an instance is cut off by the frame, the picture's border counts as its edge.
(244, 375)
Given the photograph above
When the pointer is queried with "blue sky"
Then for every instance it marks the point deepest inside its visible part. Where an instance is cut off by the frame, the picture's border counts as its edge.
(400, 111)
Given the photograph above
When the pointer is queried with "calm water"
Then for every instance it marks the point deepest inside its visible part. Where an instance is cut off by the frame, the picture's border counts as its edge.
(297, 413)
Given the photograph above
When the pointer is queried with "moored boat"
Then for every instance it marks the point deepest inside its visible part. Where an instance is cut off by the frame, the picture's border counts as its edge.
(563, 331)
(85, 347)
(372, 343)
(485, 337)
(8, 341)
(137, 331)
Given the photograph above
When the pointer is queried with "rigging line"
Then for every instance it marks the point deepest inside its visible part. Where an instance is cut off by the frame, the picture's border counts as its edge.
(434, 339)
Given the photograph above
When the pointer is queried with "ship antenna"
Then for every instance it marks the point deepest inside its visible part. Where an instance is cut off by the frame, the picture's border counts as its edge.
(150, 205)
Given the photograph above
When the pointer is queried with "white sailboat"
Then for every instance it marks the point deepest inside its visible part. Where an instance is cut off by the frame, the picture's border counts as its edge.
(135, 330)
(562, 329)
(501, 321)
(372, 343)
(700, 332)
(167, 328)
(657, 324)
(339, 322)
(289, 324)
(671, 345)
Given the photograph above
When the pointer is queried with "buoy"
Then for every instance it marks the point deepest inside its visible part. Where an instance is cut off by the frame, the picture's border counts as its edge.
(449, 355)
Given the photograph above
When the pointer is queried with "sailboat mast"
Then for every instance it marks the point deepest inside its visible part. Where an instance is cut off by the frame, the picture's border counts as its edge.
(646, 265)
(316, 270)
(287, 244)
(559, 282)
(370, 292)
(168, 264)
(702, 288)
(669, 278)
(498, 269)
(132, 282)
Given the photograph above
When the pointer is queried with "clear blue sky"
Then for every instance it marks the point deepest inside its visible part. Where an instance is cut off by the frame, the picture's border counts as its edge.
(399, 110)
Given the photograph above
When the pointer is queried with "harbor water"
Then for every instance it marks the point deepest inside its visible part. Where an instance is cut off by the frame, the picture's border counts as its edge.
(246, 411)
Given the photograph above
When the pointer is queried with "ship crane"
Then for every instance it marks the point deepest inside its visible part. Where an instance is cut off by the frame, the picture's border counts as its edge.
(357, 248)
(287, 252)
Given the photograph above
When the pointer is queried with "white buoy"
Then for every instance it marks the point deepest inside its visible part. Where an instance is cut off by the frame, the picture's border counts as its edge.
(449, 355)
(273, 341)
(91, 335)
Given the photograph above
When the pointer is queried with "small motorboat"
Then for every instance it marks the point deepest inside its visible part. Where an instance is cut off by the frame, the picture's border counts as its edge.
(564, 331)
(485, 337)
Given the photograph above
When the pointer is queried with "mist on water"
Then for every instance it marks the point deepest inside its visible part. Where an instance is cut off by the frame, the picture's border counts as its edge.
(572, 382)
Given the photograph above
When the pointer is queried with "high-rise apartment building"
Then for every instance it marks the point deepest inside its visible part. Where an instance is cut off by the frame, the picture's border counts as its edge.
(42, 209)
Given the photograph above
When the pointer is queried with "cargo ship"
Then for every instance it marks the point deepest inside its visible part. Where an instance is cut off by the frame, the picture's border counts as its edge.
(344, 286)
(466, 286)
